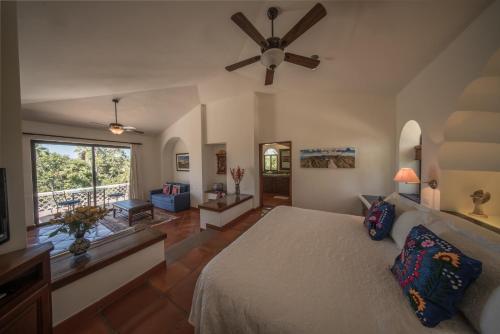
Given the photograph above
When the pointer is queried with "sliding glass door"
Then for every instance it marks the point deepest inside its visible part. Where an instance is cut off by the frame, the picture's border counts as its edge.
(68, 175)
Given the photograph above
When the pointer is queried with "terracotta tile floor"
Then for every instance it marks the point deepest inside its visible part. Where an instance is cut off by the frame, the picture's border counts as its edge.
(162, 303)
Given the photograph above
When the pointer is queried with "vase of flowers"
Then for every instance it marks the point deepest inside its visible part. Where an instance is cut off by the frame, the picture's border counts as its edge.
(237, 174)
(78, 223)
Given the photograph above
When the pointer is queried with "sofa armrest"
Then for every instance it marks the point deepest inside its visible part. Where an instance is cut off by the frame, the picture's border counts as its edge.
(182, 198)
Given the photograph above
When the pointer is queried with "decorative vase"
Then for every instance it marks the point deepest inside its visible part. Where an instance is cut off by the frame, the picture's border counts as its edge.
(80, 245)
(237, 189)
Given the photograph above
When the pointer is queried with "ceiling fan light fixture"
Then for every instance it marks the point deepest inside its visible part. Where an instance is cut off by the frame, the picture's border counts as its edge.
(116, 128)
(271, 58)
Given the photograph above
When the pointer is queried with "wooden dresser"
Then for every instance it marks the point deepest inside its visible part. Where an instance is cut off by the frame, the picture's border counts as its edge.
(25, 300)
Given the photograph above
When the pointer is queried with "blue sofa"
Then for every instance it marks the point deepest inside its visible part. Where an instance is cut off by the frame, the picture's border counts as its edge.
(173, 203)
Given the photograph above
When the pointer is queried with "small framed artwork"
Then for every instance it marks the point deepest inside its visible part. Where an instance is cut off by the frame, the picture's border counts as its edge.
(285, 159)
(221, 162)
(182, 162)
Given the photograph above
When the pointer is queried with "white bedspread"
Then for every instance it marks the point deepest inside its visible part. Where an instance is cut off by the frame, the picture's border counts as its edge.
(306, 271)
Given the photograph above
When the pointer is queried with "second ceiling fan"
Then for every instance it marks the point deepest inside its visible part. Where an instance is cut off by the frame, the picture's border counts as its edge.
(272, 49)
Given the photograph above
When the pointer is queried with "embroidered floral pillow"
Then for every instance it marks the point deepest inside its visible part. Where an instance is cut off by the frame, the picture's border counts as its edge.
(434, 275)
(379, 220)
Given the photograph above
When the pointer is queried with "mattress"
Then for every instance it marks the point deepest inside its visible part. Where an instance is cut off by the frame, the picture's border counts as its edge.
(306, 271)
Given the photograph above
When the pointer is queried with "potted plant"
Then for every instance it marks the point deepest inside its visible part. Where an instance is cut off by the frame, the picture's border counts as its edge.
(78, 223)
(237, 174)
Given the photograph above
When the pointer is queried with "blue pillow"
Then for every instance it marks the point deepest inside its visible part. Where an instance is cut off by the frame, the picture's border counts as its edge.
(434, 275)
(379, 220)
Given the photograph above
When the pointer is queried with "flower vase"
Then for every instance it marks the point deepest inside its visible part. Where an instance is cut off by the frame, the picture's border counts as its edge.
(237, 189)
(80, 245)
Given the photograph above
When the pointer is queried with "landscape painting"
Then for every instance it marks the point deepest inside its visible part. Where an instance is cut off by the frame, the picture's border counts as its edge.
(182, 162)
(343, 157)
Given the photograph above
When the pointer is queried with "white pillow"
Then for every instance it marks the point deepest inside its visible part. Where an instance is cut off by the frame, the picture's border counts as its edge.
(481, 303)
(401, 204)
(405, 223)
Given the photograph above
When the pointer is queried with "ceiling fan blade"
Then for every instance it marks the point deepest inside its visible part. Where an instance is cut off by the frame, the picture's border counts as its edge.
(249, 28)
(132, 129)
(99, 124)
(310, 19)
(301, 60)
(269, 77)
(242, 63)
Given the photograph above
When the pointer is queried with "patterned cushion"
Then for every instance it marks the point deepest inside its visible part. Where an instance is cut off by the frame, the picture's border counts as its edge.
(434, 275)
(176, 189)
(379, 220)
(167, 188)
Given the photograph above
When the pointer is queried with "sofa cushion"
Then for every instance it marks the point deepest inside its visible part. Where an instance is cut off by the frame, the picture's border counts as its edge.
(434, 275)
(176, 189)
(167, 188)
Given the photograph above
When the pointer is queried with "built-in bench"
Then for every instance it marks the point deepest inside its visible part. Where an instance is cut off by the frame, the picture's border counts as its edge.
(218, 213)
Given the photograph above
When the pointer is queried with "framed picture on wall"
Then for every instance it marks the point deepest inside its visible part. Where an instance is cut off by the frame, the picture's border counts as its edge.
(182, 162)
(340, 157)
(285, 159)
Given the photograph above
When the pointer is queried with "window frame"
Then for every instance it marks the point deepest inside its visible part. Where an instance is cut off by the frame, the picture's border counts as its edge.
(34, 142)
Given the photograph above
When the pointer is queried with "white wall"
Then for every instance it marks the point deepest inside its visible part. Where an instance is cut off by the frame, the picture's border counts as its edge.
(149, 166)
(311, 120)
(232, 121)
(10, 127)
(432, 96)
(189, 130)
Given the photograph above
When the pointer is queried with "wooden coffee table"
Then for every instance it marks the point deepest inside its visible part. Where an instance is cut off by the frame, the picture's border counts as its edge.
(133, 207)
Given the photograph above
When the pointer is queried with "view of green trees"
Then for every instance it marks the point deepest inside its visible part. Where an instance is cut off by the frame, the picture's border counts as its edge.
(56, 171)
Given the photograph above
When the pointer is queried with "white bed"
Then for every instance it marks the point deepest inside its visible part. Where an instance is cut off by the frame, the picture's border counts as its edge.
(306, 271)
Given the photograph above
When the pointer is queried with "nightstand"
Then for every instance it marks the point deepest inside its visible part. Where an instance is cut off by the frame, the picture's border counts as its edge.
(367, 200)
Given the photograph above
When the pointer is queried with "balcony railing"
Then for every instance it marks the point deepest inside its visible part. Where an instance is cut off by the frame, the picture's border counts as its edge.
(47, 205)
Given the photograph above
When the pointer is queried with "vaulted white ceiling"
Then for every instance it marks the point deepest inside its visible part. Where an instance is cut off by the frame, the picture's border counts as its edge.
(163, 58)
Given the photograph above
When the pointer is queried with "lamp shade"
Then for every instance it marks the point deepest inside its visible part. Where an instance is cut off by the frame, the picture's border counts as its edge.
(406, 175)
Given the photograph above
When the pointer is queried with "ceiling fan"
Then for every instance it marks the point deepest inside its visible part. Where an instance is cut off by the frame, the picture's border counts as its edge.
(117, 128)
(272, 49)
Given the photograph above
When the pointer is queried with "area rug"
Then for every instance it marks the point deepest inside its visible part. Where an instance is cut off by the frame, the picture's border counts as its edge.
(281, 197)
(120, 223)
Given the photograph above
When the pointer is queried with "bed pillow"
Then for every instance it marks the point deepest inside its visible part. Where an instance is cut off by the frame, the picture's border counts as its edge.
(434, 275)
(167, 188)
(379, 220)
(482, 299)
(404, 223)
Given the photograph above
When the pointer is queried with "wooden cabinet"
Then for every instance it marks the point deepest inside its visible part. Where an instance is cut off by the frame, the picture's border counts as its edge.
(277, 184)
(25, 300)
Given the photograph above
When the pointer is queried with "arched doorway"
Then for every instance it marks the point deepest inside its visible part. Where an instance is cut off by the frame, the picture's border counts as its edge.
(173, 147)
(410, 156)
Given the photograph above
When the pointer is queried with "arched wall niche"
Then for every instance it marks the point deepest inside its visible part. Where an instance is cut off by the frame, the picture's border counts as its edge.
(173, 146)
(470, 160)
(470, 153)
(410, 138)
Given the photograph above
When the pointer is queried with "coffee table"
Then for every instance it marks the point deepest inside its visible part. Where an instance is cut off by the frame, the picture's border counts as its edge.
(133, 207)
